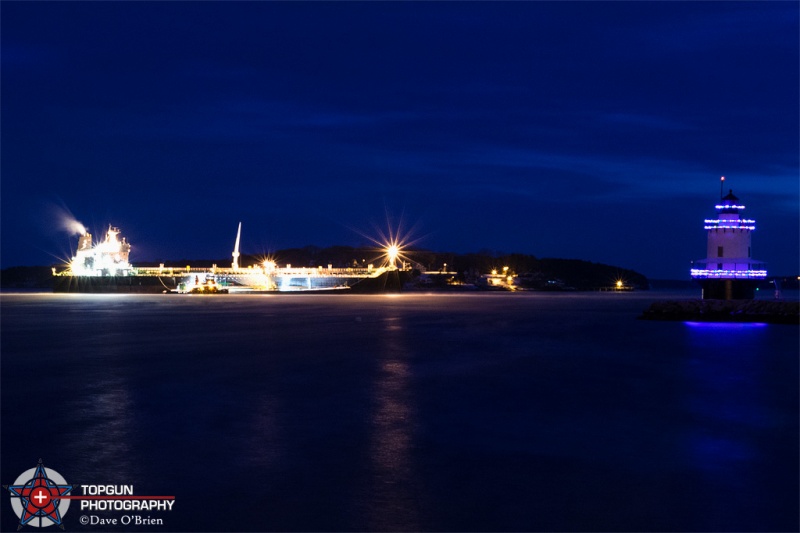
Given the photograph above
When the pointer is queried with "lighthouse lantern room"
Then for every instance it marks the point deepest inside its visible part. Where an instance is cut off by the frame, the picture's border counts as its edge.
(729, 272)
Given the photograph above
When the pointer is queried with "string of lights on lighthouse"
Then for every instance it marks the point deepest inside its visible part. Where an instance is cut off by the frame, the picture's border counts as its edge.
(729, 243)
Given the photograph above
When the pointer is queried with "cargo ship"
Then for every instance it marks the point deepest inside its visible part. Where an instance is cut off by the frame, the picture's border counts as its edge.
(105, 268)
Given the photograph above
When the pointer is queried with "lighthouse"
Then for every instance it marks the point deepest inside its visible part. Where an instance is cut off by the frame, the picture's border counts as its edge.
(729, 272)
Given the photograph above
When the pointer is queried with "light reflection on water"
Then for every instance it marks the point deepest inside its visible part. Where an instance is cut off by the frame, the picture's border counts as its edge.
(103, 413)
(103, 432)
(392, 504)
(263, 446)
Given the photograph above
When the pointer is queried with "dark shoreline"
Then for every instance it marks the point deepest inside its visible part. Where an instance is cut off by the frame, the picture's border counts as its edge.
(753, 311)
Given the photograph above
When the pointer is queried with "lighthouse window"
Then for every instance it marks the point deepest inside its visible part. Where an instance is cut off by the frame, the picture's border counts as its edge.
(719, 251)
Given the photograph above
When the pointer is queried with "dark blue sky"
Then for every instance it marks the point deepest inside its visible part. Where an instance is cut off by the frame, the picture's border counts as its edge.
(595, 131)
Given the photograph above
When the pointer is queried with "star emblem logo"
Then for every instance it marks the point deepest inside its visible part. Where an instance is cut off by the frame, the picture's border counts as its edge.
(36, 497)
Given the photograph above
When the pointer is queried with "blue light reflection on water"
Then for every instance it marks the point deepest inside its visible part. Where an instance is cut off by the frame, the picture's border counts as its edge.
(733, 404)
(726, 325)
(729, 367)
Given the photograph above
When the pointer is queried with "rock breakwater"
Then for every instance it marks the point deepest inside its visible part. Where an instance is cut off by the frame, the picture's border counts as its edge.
(772, 312)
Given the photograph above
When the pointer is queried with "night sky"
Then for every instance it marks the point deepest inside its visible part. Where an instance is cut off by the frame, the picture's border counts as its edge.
(595, 131)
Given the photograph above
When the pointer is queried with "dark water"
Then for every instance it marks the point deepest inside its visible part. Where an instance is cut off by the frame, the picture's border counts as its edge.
(491, 412)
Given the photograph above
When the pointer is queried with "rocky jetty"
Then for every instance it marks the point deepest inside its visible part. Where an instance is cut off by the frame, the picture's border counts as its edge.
(772, 312)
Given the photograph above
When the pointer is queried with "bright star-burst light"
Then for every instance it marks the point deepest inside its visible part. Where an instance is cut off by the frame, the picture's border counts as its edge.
(392, 252)
(392, 249)
(392, 243)
(268, 263)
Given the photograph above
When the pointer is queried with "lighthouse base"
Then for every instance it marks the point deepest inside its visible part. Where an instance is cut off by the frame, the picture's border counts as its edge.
(728, 289)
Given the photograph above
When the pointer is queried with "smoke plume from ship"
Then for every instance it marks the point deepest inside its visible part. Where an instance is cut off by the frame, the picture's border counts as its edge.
(67, 222)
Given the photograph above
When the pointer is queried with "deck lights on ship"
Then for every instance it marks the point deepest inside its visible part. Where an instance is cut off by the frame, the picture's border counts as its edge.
(392, 251)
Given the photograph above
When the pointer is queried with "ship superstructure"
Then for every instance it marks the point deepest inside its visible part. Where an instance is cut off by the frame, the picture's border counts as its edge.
(107, 258)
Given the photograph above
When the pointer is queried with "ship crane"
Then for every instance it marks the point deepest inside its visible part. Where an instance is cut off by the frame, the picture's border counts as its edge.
(235, 264)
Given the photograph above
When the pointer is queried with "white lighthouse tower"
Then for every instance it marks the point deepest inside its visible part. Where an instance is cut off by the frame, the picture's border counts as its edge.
(729, 272)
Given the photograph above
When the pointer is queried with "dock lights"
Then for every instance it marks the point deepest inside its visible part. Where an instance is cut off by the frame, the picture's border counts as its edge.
(619, 284)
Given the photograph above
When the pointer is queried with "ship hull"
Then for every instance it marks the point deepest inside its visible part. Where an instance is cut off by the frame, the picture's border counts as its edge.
(391, 281)
(115, 284)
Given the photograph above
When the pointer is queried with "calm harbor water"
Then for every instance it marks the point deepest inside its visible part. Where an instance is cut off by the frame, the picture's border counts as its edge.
(442, 412)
